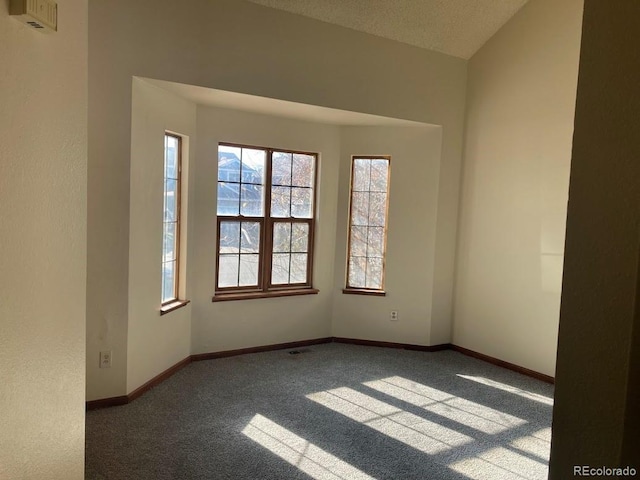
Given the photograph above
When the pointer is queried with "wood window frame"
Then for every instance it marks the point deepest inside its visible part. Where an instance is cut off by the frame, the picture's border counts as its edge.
(265, 288)
(379, 292)
(175, 302)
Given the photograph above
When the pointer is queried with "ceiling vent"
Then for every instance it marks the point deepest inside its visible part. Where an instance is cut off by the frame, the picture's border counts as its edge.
(39, 14)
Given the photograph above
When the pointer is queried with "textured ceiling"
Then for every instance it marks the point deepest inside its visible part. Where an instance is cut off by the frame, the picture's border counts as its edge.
(454, 27)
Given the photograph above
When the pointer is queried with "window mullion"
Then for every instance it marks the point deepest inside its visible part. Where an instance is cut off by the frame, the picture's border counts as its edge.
(240, 189)
(239, 239)
(267, 238)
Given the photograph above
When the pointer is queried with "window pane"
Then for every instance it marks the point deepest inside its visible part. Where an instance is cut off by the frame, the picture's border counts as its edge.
(377, 209)
(376, 242)
(358, 241)
(252, 201)
(280, 269)
(229, 237)
(228, 271)
(229, 163)
(360, 209)
(250, 238)
(248, 270)
(281, 202)
(170, 200)
(357, 271)
(379, 169)
(170, 214)
(242, 184)
(171, 157)
(169, 242)
(281, 237)
(300, 237)
(302, 170)
(374, 273)
(281, 168)
(168, 281)
(367, 224)
(228, 198)
(298, 268)
(361, 174)
(253, 162)
(301, 200)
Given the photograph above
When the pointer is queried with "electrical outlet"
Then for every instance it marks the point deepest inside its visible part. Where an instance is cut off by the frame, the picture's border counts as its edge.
(105, 359)
(393, 316)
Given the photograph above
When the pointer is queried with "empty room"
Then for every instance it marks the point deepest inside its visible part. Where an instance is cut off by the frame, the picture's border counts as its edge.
(319, 239)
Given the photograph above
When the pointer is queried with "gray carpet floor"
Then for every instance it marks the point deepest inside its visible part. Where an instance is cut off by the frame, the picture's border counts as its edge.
(334, 412)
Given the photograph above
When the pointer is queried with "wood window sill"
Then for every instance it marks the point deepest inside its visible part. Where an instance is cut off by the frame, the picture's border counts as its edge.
(363, 291)
(224, 297)
(170, 307)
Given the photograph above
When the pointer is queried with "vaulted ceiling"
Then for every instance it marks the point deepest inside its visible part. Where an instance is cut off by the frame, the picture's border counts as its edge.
(453, 27)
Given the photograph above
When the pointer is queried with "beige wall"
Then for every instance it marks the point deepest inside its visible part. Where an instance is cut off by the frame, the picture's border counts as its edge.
(596, 420)
(324, 65)
(520, 108)
(43, 155)
(156, 342)
(411, 240)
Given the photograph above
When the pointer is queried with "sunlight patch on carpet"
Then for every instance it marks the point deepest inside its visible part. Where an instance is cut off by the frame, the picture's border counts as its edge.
(410, 429)
(465, 412)
(535, 444)
(299, 452)
(503, 464)
(508, 388)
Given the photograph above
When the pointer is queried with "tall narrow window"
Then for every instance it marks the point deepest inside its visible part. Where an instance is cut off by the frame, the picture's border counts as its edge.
(266, 203)
(171, 219)
(368, 224)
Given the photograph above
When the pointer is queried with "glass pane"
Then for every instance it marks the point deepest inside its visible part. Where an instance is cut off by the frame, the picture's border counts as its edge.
(300, 237)
(229, 237)
(379, 170)
(250, 238)
(302, 170)
(170, 200)
(169, 242)
(376, 242)
(298, 268)
(280, 202)
(280, 268)
(248, 270)
(168, 281)
(358, 241)
(229, 163)
(253, 162)
(377, 209)
(361, 175)
(360, 208)
(228, 198)
(171, 157)
(374, 273)
(281, 168)
(281, 237)
(228, 271)
(252, 202)
(301, 200)
(357, 270)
